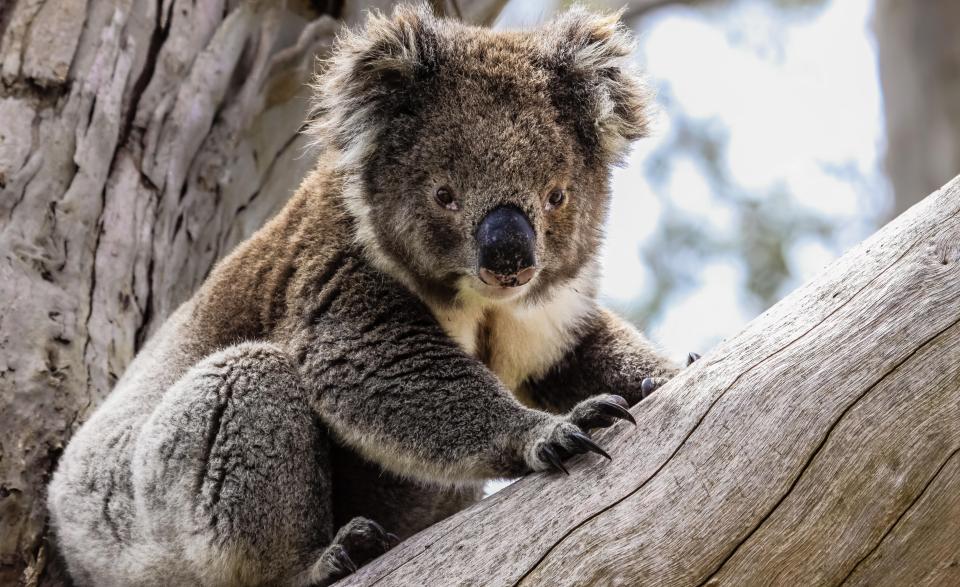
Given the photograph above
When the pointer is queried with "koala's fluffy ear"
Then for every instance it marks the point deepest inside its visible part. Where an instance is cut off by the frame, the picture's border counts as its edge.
(594, 84)
(371, 72)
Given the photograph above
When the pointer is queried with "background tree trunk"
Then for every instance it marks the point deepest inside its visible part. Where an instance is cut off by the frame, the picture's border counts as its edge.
(821, 445)
(919, 59)
(140, 140)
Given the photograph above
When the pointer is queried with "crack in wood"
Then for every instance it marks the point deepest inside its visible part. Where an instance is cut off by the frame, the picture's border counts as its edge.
(903, 514)
(159, 36)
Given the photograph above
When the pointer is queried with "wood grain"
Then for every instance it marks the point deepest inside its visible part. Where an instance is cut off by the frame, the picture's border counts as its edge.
(815, 447)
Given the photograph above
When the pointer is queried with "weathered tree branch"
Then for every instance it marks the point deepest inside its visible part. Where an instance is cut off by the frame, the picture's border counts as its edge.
(820, 445)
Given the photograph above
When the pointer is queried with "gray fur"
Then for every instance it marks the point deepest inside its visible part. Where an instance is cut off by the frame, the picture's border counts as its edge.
(339, 379)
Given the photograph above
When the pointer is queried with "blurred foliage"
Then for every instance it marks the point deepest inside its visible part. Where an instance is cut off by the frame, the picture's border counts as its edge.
(794, 4)
(764, 224)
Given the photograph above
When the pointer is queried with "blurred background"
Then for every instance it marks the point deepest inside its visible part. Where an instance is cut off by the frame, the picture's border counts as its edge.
(786, 132)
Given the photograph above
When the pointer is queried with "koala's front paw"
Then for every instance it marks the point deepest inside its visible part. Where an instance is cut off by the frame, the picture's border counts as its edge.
(567, 437)
(651, 384)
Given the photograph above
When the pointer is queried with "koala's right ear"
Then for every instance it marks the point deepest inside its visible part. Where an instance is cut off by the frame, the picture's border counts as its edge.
(596, 86)
(371, 72)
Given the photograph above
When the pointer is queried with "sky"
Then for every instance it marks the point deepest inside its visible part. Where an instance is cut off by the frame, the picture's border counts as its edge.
(800, 98)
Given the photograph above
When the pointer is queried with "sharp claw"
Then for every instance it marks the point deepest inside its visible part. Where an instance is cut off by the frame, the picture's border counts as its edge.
(616, 410)
(648, 386)
(550, 455)
(346, 560)
(619, 400)
(393, 538)
(691, 357)
(584, 441)
(377, 527)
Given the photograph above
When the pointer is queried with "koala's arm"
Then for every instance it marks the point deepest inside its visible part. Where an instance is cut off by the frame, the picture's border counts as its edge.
(611, 356)
(392, 385)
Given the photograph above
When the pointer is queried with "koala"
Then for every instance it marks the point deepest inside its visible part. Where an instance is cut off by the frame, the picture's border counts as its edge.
(419, 318)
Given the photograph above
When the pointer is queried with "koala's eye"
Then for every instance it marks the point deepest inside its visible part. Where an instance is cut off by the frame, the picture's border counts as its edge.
(444, 197)
(555, 199)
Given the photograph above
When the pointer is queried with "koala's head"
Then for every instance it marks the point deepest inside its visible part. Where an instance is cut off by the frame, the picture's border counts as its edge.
(477, 162)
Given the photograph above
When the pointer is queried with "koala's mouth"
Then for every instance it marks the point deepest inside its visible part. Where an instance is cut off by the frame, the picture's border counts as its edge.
(498, 291)
(517, 279)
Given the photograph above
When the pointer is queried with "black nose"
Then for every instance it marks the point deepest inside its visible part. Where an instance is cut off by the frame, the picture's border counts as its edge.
(505, 242)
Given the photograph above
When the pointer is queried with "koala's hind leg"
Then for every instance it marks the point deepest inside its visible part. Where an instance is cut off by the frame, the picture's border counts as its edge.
(230, 473)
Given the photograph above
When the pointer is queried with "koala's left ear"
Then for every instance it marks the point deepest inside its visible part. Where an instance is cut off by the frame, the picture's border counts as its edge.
(371, 72)
(594, 84)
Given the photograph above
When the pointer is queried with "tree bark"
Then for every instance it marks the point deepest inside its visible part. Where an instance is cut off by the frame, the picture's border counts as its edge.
(919, 63)
(140, 140)
(821, 445)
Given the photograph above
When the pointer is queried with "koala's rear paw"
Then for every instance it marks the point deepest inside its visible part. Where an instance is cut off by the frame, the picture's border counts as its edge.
(357, 542)
(334, 564)
(364, 540)
(569, 436)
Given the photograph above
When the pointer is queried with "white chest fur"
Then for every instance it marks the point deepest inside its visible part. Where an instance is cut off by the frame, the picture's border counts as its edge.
(519, 341)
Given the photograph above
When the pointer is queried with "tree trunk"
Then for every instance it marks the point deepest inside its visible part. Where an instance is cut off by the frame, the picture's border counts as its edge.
(919, 62)
(139, 141)
(820, 445)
